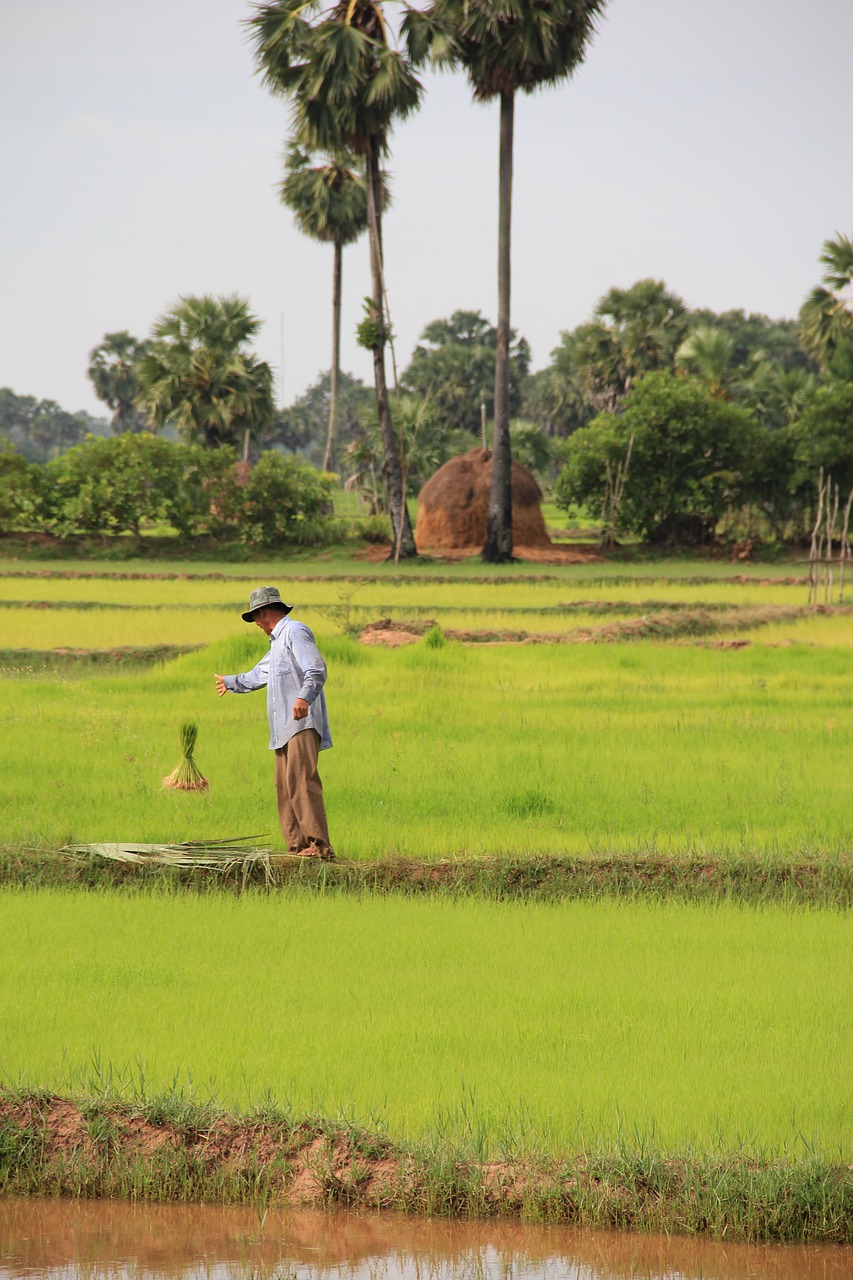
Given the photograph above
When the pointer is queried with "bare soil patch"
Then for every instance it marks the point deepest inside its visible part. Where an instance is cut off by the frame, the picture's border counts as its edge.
(579, 553)
(390, 635)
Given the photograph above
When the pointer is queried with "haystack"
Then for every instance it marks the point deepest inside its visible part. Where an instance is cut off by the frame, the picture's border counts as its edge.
(453, 506)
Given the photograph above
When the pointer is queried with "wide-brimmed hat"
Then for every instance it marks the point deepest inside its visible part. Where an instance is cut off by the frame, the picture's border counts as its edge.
(262, 596)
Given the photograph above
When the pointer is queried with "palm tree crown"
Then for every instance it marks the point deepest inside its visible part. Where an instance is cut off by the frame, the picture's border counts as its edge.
(826, 316)
(708, 352)
(112, 372)
(197, 376)
(633, 332)
(345, 82)
(327, 196)
(502, 44)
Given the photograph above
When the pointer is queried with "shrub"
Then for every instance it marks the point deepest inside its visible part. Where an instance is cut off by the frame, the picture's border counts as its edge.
(209, 496)
(285, 502)
(690, 462)
(109, 485)
(18, 490)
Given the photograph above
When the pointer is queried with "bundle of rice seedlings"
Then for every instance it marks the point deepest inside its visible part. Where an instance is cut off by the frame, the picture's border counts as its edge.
(187, 776)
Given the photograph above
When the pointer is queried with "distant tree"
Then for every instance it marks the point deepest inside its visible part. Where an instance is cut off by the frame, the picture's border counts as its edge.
(826, 317)
(454, 367)
(708, 353)
(504, 47)
(823, 437)
(54, 429)
(556, 397)
(197, 375)
(776, 395)
(301, 427)
(347, 86)
(112, 371)
(690, 460)
(17, 414)
(427, 441)
(105, 486)
(788, 392)
(40, 428)
(633, 332)
(532, 447)
(777, 340)
(328, 199)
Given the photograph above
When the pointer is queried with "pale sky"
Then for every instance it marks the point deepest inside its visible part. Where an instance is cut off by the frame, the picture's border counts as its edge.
(706, 143)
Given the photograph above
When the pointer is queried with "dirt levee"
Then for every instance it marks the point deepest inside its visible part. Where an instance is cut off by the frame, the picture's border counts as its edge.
(172, 1151)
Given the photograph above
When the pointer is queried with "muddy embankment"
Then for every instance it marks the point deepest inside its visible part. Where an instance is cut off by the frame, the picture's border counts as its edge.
(174, 1151)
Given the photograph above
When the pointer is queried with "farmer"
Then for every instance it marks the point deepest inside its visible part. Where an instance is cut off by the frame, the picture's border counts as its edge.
(294, 674)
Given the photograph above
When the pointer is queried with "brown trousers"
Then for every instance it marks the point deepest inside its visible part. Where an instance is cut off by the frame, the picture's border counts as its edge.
(301, 810)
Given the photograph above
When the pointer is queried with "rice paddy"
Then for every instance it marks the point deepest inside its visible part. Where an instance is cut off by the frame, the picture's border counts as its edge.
(477, 750)
(720, 1029)
(515, 1026)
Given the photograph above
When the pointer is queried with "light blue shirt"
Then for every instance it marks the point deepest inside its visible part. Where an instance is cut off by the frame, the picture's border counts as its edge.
(292, 669)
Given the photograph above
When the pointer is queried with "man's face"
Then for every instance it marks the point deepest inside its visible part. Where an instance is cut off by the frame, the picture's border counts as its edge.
(265, 619)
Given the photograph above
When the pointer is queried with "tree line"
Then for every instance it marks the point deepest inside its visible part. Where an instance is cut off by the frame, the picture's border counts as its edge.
(348, 79)
(741, 413)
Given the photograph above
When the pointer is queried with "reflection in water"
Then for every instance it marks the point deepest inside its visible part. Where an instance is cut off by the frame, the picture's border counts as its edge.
(93, 1240)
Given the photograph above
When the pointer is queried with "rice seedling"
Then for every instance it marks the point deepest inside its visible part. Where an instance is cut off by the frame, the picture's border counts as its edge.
(187, 776)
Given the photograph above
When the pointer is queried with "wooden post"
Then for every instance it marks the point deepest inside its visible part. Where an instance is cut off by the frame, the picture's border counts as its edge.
(844, 554)
(814, 566)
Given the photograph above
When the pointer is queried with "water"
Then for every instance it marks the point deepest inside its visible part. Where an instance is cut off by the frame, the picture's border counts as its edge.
(91, 1240)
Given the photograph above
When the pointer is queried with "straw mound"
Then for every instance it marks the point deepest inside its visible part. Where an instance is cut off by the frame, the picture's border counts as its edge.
(453, 506)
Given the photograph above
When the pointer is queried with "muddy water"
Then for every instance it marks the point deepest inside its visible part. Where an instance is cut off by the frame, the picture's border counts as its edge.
(79, 1239)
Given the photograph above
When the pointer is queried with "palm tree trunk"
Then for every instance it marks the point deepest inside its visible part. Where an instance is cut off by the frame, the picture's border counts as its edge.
(404, 541)
(329, 455)
(498, 548)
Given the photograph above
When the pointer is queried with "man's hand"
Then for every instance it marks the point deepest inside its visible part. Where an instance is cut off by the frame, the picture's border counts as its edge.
(221, 687)
(300, 709)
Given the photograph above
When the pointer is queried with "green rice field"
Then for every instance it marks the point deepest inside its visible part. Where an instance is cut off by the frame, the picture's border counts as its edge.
(514, 1027)
(693, 713)
(687, 747)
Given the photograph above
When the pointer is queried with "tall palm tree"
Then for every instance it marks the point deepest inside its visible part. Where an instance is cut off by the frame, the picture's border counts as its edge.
(826, 316)
(329, 203)
(504, 46)
(347, 86)
(198, 377)
(112, 372)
